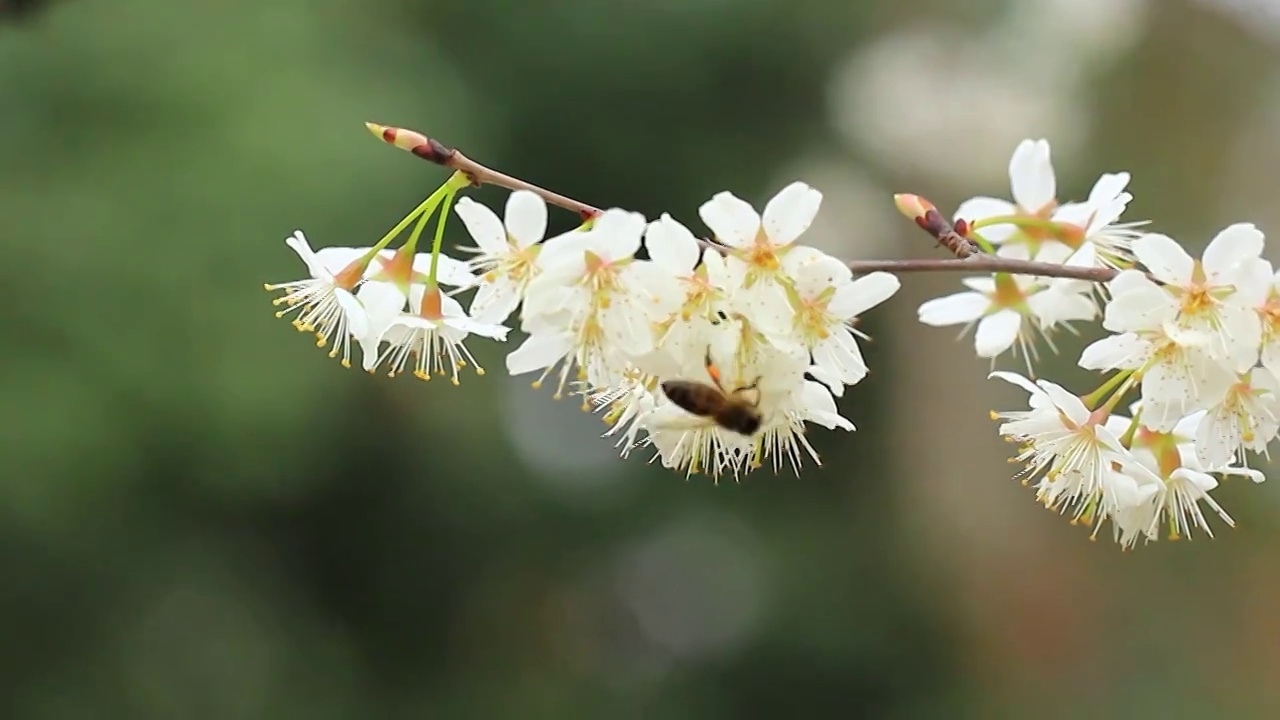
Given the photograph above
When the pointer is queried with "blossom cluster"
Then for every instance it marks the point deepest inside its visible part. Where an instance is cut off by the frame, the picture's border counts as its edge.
(716, 353)
(1197, 340)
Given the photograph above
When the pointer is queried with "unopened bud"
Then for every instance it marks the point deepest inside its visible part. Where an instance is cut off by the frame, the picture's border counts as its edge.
(399, 137)
(913, 206)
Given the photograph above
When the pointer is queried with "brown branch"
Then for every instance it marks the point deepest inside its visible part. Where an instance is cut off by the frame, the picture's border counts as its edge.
(969, 257)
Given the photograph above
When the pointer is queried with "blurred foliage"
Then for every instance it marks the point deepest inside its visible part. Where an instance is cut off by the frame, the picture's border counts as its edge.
(205, 517)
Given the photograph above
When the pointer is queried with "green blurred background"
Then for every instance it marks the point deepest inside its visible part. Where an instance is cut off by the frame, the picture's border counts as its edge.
(203, 516)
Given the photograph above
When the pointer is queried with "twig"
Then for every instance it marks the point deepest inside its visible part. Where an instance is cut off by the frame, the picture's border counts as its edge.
(968, 256)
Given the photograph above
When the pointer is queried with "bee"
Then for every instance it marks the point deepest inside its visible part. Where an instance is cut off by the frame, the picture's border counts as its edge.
(735, 410)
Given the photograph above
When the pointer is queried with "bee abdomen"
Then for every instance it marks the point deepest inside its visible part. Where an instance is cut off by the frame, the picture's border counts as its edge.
(687, 396)
(739, 420)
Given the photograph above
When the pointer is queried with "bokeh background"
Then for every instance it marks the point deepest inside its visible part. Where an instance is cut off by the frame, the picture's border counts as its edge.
(202, 516)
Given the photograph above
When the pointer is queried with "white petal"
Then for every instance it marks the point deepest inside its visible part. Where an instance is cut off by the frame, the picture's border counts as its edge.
(790, 213)
(816, 276)
(1164, 258)
(1241, 327)
(1016, 379)
(1216, 440)
(483, 225)
(997, 333)
(298, 242)
(1070, 405)
(1118, 352)
(863, 294)
(538, 352)
(1127, 280)
(985, 284)
(337, 259)
(979, 208)
(494, 302)
(820, 407)
(526, 218)
(454, 273)
(1230, 247)
(839, 354)
(1109, 187)
(1051, 307)
(671, 245)
(1031, 175)
(954, 309)
(616, 234)
(1144, 307)
(1252, 281)
(733, 221)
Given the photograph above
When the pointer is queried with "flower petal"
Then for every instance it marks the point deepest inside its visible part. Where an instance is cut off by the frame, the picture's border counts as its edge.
(732, 220)
(526, 218)
(538, 352)
(1031, 175)
(997, 333)
(1164, 258)
(863, 294)
(1117, 352)
(1015, 379)
(298, 242)
(483, 226)
(953, 309)
(1109, 187)
(1230, 247)
(494, 302)
(789, 213)
(671, 246)
(1068, 404)
(982, 207)
(616, 234)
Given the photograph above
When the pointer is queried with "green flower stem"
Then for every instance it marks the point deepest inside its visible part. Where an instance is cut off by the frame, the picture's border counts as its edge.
(456, 182)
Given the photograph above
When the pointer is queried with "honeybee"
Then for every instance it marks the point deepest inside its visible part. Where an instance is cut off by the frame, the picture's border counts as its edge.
(735, 410)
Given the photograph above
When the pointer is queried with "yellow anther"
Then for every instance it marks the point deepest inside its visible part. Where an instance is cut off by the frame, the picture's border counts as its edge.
(479, 370)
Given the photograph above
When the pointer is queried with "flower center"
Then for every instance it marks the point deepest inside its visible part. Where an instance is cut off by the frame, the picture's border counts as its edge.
(431, 306)
(1007, 293)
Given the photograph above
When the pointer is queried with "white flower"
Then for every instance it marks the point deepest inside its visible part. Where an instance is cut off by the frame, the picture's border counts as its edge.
(1066, 447)
(1269, 313)
(1010, 310)
(1090, 224)
(771, 380)
(782, 436)
(689, 295)
(585, 309)
(506, 252)
(1217, 296)
(433, 334)
(757, 245)
(1034, 187)
(1168, 461)
(1094, 227)
(324, 303)
(827, 302)
(627, 404)
(1247, 418)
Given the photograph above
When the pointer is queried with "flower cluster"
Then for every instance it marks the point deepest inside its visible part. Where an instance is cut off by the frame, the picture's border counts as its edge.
(1197, 339)
(716, 353)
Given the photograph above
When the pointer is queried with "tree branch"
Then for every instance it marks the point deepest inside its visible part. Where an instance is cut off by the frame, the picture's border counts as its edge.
(969, 257)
